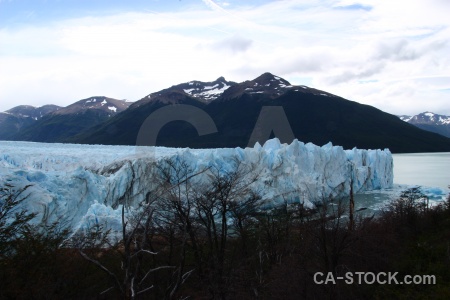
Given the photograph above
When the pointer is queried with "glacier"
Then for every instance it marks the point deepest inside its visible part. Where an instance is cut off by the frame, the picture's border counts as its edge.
(86, 184)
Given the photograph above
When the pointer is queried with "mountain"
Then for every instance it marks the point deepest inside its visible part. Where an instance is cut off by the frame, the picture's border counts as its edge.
(13, 120)
(202, 91)
(194, 93)
(28, 111)
(430, 121)
(66, 122)
(10, 125)
(312, 116)
(268, 86)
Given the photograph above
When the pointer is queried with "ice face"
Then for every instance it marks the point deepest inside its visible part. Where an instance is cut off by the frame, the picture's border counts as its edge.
(89, 183)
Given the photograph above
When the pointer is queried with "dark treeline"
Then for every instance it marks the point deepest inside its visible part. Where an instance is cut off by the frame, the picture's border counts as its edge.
(210, 239)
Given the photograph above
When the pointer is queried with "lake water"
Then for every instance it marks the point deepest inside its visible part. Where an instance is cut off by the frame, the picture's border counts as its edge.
(425, 169)
(428, 170)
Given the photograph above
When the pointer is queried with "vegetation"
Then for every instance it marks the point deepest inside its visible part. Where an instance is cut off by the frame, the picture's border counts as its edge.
(210, 241)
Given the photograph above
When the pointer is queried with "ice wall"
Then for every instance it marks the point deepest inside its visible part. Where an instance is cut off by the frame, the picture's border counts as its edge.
(85, 183)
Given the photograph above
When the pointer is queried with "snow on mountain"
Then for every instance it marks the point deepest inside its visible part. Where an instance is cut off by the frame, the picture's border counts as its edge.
(105, 104)
(405, 118)
(431, 122)
(271, 85)
(29, 111)
(86, 183)
(207, 92)
(15, 119)
(267, 84)
(202, 91)
(427, 118)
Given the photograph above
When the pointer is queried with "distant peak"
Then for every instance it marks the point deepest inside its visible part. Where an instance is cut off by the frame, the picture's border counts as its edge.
(97, 97)
(267, 74)
(427, 117)
(221, 78)
(19, 107)
(269, 77)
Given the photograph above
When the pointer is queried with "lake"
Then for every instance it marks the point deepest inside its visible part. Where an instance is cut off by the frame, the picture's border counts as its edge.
(425, 169)
(431, 171)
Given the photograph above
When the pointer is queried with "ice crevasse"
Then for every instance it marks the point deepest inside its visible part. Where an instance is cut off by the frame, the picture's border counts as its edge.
(85, 183)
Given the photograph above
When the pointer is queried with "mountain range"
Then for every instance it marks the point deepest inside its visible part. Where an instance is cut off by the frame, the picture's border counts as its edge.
(51, 123)
(22, 116)
(430, 121)
(237, 110)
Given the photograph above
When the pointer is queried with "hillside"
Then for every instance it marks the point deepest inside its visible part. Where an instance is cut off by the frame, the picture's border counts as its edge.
(313, 116)
(66, 122)
(431, 122)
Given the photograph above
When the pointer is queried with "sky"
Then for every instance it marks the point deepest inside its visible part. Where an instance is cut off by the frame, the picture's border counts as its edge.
(393, 55)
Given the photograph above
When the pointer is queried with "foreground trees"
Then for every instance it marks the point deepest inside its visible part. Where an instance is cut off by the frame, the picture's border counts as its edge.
(201, 234)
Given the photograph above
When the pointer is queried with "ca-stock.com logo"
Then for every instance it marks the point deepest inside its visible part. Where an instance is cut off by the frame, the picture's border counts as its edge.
(271, 119)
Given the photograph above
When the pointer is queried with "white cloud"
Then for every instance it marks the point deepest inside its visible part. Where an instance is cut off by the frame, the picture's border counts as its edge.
(392, 55)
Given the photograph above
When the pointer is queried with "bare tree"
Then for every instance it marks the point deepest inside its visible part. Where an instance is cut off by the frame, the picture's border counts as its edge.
(152, 216)
(133, 281)
(13, 218)
(197, 214)
(174, 218)
(223, 206)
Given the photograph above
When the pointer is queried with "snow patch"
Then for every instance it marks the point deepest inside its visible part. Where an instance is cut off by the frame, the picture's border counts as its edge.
(208, 93)
(444, 120)
(210, 87)
(189, 91)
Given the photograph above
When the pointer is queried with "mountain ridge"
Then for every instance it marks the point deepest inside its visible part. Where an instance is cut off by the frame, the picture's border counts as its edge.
(15, 119)
(430, 121)
(235, 108)
(314, 116)
(61, 124)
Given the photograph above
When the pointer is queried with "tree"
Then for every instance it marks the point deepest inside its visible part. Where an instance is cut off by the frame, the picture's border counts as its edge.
(135, 248)
(13, 218)
(227, 194)
(407, 209)
(198, 213)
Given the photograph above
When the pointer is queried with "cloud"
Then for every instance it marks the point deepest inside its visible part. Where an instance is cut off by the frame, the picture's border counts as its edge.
(397, 50)
(234, 44)
(366, 71)
(211, 4)
(365, 50)
(355, 6)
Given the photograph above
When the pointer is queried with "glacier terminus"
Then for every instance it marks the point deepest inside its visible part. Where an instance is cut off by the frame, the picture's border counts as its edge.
(82, 184)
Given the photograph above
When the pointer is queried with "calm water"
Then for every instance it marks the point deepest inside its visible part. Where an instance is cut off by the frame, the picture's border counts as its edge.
(425, 169)
(429, 170)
